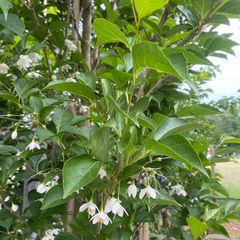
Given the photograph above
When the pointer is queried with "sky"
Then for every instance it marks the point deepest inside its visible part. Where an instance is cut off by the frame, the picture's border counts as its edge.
(227, 82)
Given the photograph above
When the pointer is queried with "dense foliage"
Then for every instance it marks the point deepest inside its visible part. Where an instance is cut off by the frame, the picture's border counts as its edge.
(100, 137)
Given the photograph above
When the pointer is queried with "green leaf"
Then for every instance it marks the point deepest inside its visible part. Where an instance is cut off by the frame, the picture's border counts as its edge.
(13, 23)
(107, 32)
(162, 198)
(5, 5)
(44, 133)
(121, 111)
(62, 117)
(53, 197)
(178, 148)
(78, 89)
(197, 227)
(197, 110)
(9, 97)
(78, 172)
(149, 55)
(231, 7)
(170, 126)
(7, 150)
(230, 140)
(101, 144)
(202, 7)
(146, 7)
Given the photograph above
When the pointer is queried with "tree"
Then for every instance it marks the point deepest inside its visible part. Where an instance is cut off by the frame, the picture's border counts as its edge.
(93, 117)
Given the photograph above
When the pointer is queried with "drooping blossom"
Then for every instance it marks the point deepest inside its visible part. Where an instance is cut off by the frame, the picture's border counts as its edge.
(70, 45)
(118, 209)
(101, 218)
(132, 190)
(42, 188)
(148, 191)
(3, 68)
(35, 57)
(14, 134)
(33, 145)
(84, 109)
(24, 62)
(102, 173)
(109, 204)
(178, 190)
(34, 75)
(51, 234)
(14, 207)
(90, 207)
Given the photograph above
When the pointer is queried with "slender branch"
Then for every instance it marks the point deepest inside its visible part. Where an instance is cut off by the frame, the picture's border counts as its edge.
(75, 16)
(47, 62)
(87, 30)
(163, 19)
(198, 28)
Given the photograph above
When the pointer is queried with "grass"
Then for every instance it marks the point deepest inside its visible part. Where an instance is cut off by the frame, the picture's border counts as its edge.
(231, 177)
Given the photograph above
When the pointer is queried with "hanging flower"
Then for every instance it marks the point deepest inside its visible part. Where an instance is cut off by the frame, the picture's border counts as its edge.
(84, 109)
(33, 145)
(14, 207)
(132, 190)
(51, 234)
(109, 204)
(118, 209)
(101, 218)
(70, 45)
(42, 188)
(148, 191)
(3, 68)
(102, 173)
(35, 57)
(178, 190)
(24, 62)
(34, 75)
(14, 134)
(90, 206)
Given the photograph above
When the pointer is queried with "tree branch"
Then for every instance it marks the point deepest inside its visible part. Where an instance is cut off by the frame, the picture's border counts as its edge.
(163, 19)
(87, 30)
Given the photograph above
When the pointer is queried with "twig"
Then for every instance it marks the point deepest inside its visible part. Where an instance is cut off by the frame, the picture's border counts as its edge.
(198, 28)
(163, 19)
(47, 62)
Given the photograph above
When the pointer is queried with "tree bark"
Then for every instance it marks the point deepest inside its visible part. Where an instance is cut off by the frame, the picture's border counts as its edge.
(87, 30)
(70, 213)
(76, 20)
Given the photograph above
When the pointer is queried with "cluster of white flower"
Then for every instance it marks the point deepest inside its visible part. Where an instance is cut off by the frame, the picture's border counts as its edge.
(148, 191)
(178, 190)
(70, 45)
(51, 234)
(42, 188)
(24, 62)
(3, 68)
(33, 145)
(34, 75)
(112, 205)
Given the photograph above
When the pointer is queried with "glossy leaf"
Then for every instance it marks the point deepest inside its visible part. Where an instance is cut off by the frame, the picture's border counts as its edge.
(149, 55)
(146, 7)
(107, 32)
(78, 89)
(78, 172)
(178, 148)
(53, 197)
(12, 23)
(5, 5)
(197, 227)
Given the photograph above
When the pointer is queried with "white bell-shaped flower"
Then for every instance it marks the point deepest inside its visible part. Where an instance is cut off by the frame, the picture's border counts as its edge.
(33, 145)
(3, 68)
(118, 209)
(109, 205)
(14, 134)
(102, 173)
(132, 190)
(70, 45)
(14, 207)
(101, 218)
(24, 62)
(149, 192)
(178, 190)
(90, 207)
